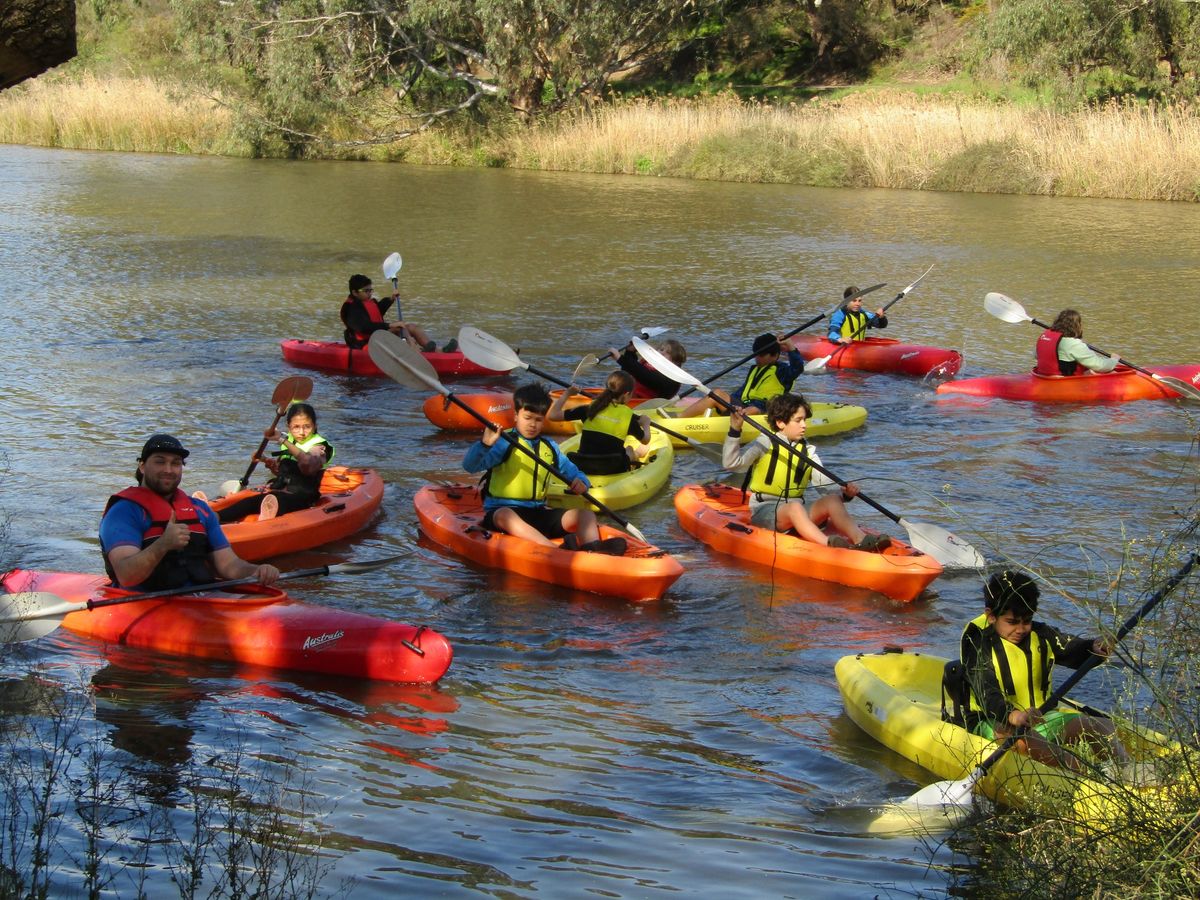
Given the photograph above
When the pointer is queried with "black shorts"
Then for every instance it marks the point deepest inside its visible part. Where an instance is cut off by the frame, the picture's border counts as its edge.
(546, 520)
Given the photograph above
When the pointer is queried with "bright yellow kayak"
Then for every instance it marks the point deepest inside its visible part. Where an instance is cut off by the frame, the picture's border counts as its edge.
(827, 418)
(624, 489)
(895, 697)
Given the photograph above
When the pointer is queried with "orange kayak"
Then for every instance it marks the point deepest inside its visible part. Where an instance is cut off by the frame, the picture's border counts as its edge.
(496, 407)
(717, 515)
(258, 626)
(349, 498)
(450, 516)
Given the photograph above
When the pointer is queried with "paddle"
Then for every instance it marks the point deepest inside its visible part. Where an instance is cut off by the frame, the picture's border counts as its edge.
(32, 614)
(1009, 310)
(817, 366)
(946, 548)
(813, 321)
(287, 392)
(492, 353)
(646, 333)
(953, 798)
(391, 269)
(404, 364)
(711, 451)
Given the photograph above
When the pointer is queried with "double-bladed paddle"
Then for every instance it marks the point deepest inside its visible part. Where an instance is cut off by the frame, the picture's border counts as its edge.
(950, 800)
(404, 364)
(817, 366)
(292, 389)
(811, 322)
(946, 548)
(1006, 309)
(645, 333)
(29, 615)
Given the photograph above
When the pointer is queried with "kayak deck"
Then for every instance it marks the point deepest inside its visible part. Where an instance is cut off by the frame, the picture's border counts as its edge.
(258, 626)
(623, 489)
(827, 419)
(335, 356)
(349, 499)
(1120, 385)
(450, 516)
(880, 354)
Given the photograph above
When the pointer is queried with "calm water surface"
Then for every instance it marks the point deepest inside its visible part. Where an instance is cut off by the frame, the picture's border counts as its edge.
(579, 746)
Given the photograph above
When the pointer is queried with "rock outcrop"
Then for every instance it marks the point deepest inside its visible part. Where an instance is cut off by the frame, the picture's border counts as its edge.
(35, 35)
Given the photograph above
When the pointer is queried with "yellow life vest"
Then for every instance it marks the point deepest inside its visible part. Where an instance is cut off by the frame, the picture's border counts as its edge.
(854, 326)
(517, 476)
(614, 420)
(781, 474)
(762, 384)
(1024, 677)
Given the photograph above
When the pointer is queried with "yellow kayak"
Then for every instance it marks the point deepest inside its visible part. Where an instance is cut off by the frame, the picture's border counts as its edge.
(827, 418)
(895, 697)
(624, 489)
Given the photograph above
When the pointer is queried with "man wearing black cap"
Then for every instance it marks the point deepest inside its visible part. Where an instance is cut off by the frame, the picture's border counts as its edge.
(154, 536)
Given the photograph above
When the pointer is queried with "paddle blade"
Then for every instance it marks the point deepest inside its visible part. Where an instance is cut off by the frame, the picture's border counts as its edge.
(402, 362)
(29, 615)
(651, 332)
(817, 366)
(586, 364)
(653, 403)
(487, 351)
(368, 565)
(664, 365)
(1004, 308)
(391, 265)
(291, 390)
(948, 549)
(941, 806)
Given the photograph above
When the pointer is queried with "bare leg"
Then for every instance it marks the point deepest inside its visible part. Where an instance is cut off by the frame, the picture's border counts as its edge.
(793, 515)
(417, 333)
(1099, 734)
(701, 406)
(583, 523)
(832, 509)
(510, 523)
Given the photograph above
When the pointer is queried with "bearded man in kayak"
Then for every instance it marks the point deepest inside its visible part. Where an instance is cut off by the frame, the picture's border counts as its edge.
(850, 323)
(1061, 350)
(154, 536)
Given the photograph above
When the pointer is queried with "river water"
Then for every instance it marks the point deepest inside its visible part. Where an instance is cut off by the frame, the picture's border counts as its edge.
(579, 746)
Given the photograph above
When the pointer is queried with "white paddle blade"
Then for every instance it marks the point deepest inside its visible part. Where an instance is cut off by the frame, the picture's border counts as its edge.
(487, 351)
(653, 403)
(402, 362)
(391, 266)
(941, 806)
(1004, 308)
(664, 365)
(651, 332)
(586, 364)
(817, 366)
(905, 292)
(29, 615)
(948, 549)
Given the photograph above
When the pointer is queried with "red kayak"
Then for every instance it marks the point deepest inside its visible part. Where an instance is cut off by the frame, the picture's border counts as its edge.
(335, 356)
(879, 354)
(260, 626)
(1119, 385)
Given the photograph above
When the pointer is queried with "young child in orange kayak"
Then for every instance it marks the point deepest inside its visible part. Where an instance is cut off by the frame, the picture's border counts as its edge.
(298, 465)
(1008, 658)
(777, 479)
(514, 488)
(607, 421)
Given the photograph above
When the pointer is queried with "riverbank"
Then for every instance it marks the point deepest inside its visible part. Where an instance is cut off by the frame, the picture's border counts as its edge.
(888, 139)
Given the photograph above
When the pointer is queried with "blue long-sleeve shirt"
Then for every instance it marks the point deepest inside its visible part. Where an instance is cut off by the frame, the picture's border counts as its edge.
(480, 457)
(838, 319)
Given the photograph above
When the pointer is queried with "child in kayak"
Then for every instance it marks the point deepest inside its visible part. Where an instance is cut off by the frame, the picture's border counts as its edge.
(1061, 350)
(607, 421)
(514, 488)
(1007, 660)
(850, 323)
(776, 480)
(648, 381)
(768, 378)
(298, 464)
(363, 315)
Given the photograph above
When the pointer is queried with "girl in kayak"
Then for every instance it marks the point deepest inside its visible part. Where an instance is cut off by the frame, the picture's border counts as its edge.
(514, 486)
(776, 480)
(607, 421)
(850, 323)
(1061, 350)
(298, 465)
(1007, 660)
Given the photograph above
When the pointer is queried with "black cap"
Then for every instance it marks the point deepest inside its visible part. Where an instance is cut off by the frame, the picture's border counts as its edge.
(163, 443)
(766, 343)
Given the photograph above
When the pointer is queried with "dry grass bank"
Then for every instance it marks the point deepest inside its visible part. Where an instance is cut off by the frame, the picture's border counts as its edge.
(878, 139)
(129, 114)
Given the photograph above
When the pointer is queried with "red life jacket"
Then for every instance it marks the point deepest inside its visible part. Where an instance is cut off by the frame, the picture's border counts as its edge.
(1046, 351)
(179, 567)
(358, 339)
